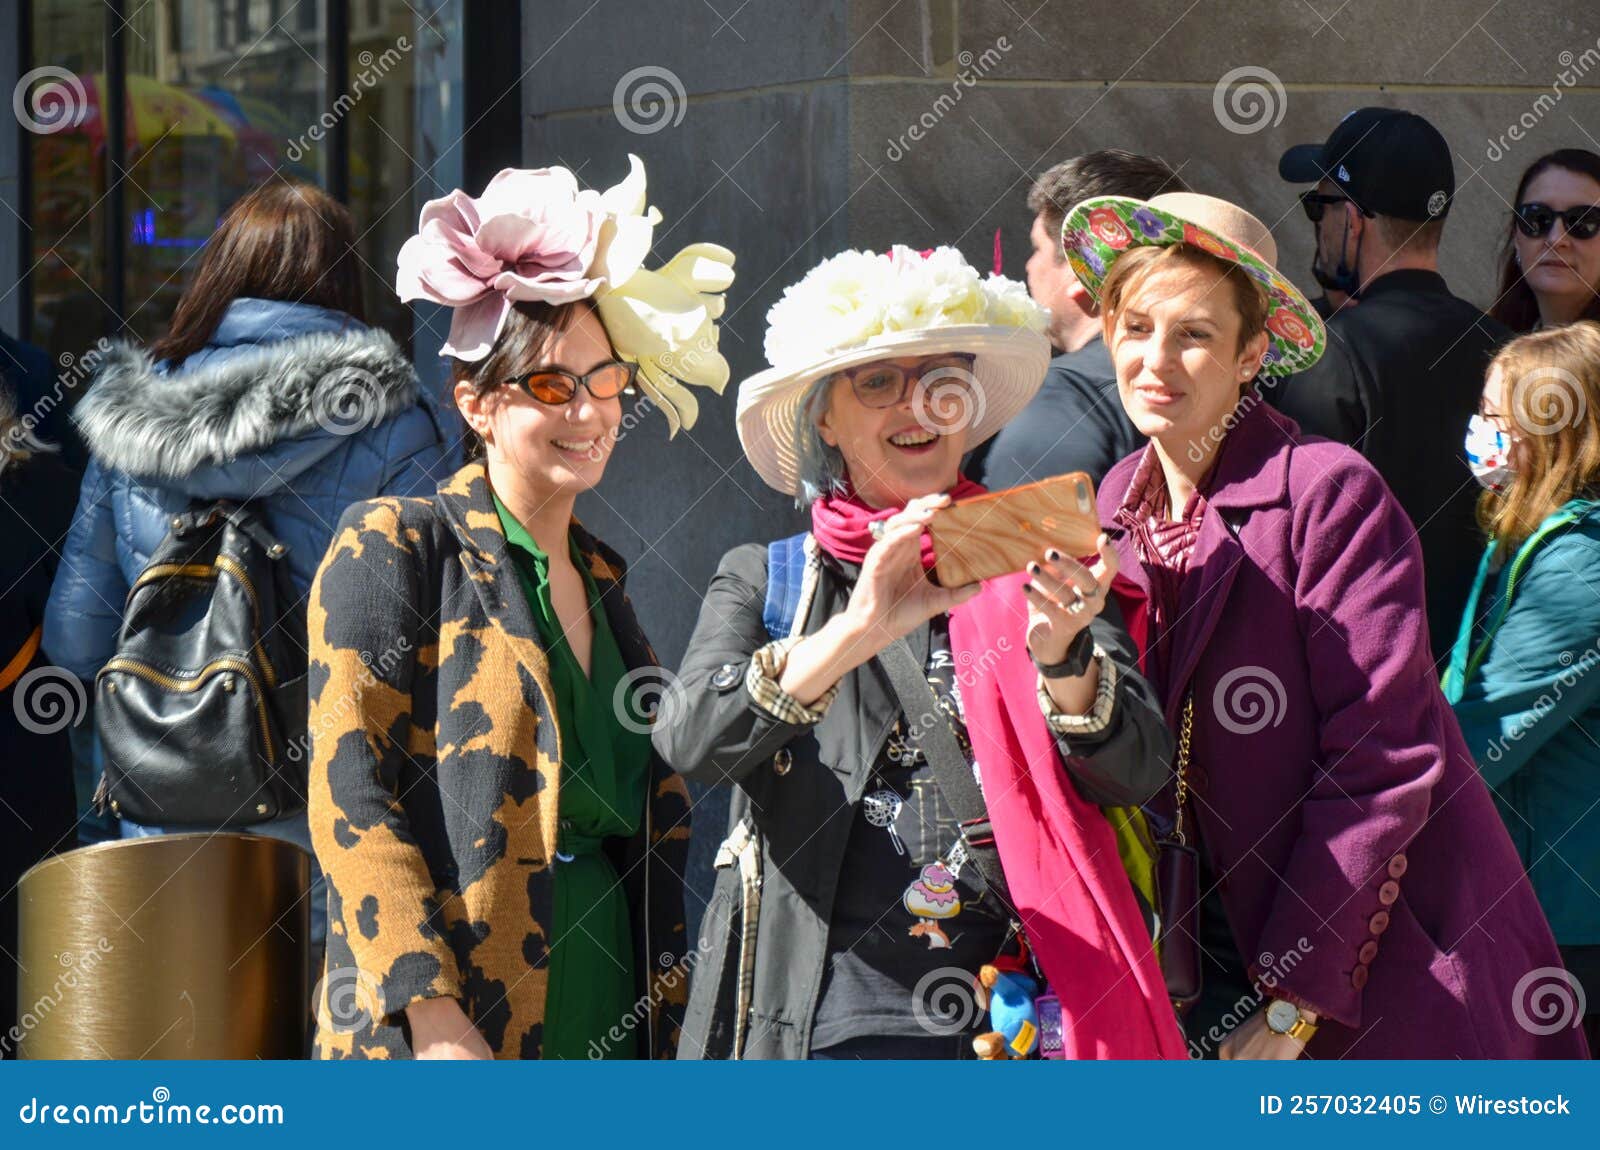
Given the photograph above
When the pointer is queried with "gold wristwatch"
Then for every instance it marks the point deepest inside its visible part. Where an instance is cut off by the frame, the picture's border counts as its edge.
(1285, 1018)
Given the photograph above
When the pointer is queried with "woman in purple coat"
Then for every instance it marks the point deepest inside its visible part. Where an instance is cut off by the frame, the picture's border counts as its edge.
(1361, 895)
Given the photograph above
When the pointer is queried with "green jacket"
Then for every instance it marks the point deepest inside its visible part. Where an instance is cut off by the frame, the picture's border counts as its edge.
(1524, 679)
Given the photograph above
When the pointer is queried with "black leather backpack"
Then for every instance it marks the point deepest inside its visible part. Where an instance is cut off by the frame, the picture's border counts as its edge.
(201, 713)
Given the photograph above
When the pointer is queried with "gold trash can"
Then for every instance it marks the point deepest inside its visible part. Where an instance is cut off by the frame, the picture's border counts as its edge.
(175, 946)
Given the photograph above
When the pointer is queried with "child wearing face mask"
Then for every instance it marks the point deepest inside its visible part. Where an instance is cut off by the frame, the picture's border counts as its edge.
(1524, 676)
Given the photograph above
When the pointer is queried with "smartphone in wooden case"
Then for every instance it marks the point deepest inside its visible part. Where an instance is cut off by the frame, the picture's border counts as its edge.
(1001, 532)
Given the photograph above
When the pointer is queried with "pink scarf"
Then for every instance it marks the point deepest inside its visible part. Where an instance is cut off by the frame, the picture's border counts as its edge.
(1059, 852)
(842, 522)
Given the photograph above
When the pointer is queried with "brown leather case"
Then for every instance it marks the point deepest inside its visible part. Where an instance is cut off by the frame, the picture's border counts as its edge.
(1001, 532)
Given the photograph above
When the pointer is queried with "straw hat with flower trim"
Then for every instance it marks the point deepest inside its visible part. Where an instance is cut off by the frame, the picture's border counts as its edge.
(858, 307)
(1097, 232)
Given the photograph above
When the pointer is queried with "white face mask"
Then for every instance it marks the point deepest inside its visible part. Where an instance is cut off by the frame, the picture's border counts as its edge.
(1488, 454)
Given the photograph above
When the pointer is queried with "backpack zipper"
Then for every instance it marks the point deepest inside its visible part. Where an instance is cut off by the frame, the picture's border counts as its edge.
(142, 670)
(232, 567)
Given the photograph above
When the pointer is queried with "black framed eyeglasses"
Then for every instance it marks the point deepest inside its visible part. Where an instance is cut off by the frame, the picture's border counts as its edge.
(1316, 204)
(1582, 221)
(556, 386)
(886, 384)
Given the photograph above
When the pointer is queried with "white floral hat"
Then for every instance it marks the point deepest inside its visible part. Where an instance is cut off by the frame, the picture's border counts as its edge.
(862, 306)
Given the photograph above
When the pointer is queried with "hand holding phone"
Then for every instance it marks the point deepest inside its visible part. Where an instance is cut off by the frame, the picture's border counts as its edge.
(1001, 532)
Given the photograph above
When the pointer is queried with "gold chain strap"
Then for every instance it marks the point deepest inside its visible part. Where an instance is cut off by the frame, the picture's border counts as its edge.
(1185, 734)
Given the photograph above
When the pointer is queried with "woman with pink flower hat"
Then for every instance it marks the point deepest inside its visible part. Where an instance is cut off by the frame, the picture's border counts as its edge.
(857, 900)
(504, 852)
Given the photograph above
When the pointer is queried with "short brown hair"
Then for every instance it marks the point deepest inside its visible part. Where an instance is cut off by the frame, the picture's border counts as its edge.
(1419, 236)
(1553, 384)
(1135, 268)
(1108, 172)
(283, 241)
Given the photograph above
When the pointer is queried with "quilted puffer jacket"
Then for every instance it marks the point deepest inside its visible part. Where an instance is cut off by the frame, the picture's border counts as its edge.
(301, 409)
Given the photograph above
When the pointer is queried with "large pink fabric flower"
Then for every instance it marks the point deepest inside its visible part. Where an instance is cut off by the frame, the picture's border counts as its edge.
(532, 235)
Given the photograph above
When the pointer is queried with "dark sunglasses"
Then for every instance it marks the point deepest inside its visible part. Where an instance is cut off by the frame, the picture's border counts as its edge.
(556, 386)
(1316, 204)
(886, 384)
(1582, 222)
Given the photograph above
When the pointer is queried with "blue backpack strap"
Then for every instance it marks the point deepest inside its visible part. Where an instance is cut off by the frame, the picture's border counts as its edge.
(786, 569)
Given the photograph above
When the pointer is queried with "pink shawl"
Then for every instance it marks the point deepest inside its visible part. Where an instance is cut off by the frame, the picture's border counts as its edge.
(1059, 852)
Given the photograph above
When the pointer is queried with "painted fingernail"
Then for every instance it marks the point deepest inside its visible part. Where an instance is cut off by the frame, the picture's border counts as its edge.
(1030, 588)
(1033, 569)
(1053, 555)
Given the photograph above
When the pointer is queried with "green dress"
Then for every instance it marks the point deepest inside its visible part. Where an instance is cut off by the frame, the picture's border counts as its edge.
(604, 773)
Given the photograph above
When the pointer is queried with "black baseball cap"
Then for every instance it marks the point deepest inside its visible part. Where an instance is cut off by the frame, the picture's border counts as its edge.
(1390, 162)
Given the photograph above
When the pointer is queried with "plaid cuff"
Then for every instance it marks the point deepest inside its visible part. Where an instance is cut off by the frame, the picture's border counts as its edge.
(761, 680)
(1099, 716)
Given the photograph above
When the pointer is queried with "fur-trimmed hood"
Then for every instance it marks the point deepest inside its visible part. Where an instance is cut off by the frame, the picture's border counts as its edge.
(232, 402)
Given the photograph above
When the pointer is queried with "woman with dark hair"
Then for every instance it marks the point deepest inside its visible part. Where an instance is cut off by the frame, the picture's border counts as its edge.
(1550, 265)
(504, 851)
(268, 388)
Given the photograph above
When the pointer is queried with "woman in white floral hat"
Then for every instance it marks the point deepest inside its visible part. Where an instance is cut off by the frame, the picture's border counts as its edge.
(857, 896)
(504, 853)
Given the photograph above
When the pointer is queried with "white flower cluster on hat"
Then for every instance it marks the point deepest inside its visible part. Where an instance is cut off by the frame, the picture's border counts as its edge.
(847, 300)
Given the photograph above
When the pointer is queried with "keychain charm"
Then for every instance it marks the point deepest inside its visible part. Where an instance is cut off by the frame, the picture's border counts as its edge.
(882, 808)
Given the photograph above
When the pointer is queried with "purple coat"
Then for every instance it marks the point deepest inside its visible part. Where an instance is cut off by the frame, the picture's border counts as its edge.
(1362, 863)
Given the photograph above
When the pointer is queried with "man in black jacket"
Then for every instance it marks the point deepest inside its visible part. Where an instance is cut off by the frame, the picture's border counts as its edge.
(1406, 359)
(1076, 421)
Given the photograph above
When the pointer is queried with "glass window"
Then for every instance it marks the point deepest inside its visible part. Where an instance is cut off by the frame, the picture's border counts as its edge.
(67, 153)
(206, 126)
(212, 114)
(386, 188)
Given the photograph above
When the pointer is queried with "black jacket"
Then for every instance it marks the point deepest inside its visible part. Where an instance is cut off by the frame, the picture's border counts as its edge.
(796, 789)
(1402, 375)
(1075, 423)
(37, 805)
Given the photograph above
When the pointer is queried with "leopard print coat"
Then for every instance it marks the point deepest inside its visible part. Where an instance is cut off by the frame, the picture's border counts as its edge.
(434, 783)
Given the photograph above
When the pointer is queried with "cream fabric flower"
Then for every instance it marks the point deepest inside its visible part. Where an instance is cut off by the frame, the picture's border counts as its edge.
(852, 297)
